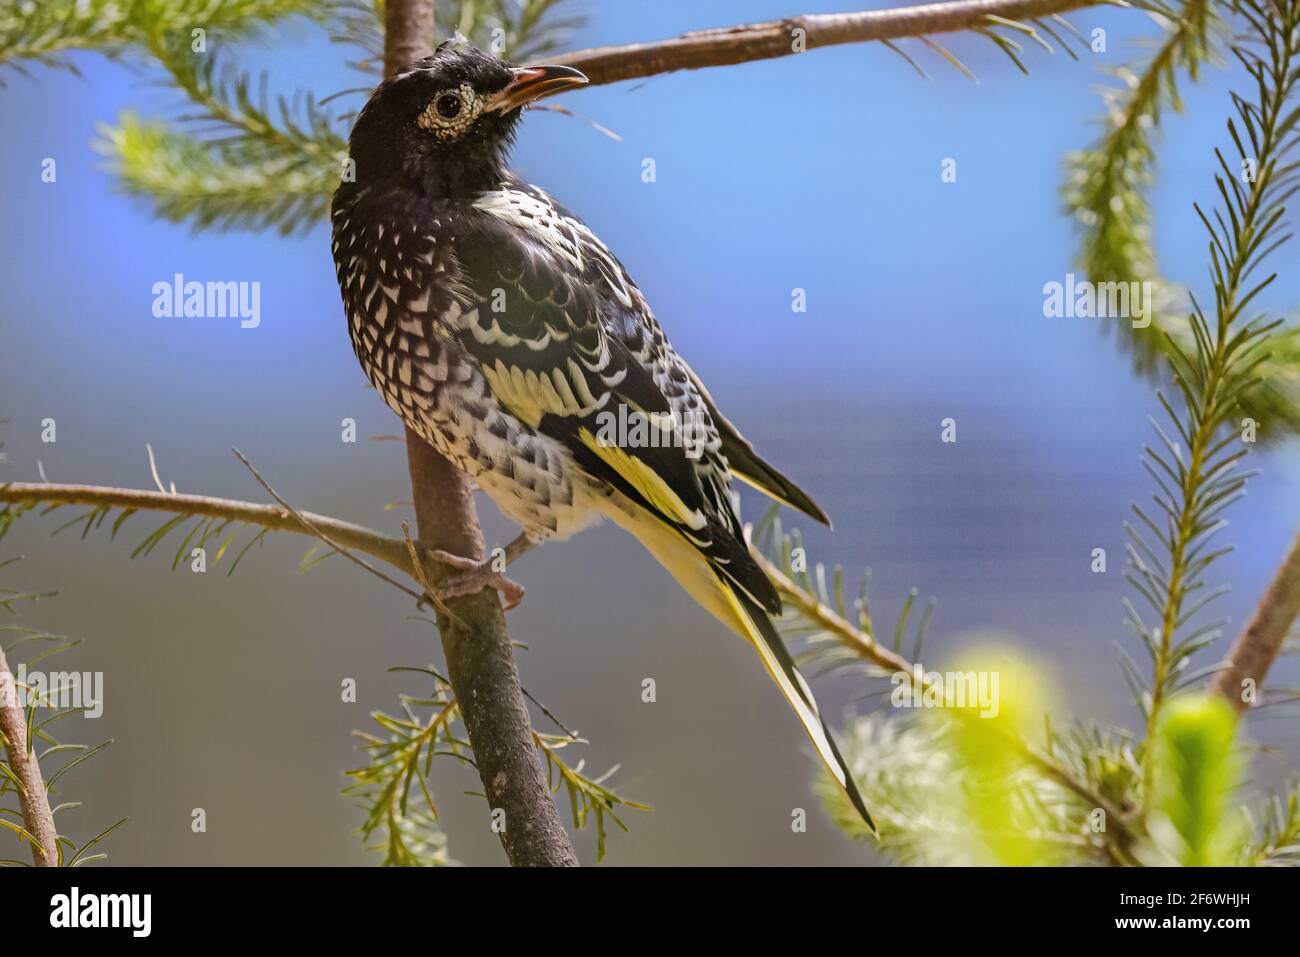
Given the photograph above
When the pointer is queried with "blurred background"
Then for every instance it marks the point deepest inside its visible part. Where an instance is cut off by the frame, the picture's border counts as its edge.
(818, 172)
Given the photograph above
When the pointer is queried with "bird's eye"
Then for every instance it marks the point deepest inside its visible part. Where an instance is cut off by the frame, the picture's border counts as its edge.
(448, 106)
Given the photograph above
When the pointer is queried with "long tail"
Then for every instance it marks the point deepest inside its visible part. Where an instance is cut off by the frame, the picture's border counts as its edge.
(763, 635)
(736, 609)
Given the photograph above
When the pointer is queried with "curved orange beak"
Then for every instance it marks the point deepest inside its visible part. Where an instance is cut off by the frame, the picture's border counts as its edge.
(531, 83)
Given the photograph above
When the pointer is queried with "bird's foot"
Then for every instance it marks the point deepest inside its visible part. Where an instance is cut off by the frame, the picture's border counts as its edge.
(474, 577)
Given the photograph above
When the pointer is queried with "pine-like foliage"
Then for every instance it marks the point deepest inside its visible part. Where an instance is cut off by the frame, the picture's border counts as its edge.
(45, 31)
(246, 159)
(1279, 842)
(393, 790)
(1107, 185)
(1195, 464)
(400, 762)
(1106, 191)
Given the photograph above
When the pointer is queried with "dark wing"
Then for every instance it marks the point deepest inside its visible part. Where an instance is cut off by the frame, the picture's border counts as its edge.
(543, 333)
(638, 330)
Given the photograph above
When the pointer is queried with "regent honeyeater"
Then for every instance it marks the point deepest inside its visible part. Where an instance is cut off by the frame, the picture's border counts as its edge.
(508, 336)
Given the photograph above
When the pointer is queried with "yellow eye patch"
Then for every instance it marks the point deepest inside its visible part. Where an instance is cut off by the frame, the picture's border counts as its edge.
(451, 127)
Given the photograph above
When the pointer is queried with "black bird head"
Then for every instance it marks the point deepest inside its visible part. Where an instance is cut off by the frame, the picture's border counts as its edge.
(445, 123)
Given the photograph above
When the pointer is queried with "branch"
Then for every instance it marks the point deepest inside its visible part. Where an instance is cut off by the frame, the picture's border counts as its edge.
(273, 517)
(480, 660)
(38, 819)
(1254, 651)
(725, 46)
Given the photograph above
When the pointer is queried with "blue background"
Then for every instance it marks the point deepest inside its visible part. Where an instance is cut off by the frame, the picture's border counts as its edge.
(818, 172)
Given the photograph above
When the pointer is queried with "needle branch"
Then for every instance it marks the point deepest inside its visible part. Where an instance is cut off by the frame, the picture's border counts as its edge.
(274, 518)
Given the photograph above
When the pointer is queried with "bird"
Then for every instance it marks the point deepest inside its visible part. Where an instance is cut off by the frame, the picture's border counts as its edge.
(504, 333)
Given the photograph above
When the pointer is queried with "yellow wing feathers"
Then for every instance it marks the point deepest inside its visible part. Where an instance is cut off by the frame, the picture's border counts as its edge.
(530, 394)
(642, 477)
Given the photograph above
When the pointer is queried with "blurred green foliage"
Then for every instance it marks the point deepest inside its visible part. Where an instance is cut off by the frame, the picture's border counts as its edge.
(1193, 820)
(1106, 191)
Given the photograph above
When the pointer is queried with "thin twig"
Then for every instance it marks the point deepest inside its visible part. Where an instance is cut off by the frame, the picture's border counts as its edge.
(324, 537)
(550, 714)
(153, 470)
(724, 46)
(417, 568)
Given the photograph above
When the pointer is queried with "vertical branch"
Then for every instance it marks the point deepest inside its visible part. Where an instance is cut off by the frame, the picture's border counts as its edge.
(1254, 650)
(408, 33)
(480, 661)
(38, 819)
